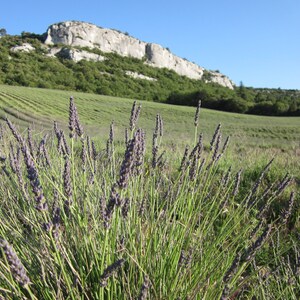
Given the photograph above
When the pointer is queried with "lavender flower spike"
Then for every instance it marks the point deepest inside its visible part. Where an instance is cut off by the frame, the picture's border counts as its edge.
(287, 213)
(72, 117)
(144, 288)
(74, 124)
(16, 267)
(109, 271)
(197, 114)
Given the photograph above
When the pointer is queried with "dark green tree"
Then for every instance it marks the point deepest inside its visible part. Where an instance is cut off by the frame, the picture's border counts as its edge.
(242, 92)
(3, 32)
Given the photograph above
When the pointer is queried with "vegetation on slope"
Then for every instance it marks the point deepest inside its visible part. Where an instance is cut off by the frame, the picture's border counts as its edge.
(108, 77)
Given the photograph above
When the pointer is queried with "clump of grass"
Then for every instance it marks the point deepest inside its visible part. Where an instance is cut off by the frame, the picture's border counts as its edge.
(90, 223)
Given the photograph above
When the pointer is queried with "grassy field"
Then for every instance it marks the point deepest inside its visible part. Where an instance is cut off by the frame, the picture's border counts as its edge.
(254, 139)
(42, 106)
(125, 220)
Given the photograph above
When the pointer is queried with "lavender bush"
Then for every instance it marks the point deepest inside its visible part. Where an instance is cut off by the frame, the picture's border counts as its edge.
(92, 223)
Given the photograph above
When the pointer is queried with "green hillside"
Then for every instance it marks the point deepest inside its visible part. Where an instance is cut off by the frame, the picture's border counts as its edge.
(109, 77)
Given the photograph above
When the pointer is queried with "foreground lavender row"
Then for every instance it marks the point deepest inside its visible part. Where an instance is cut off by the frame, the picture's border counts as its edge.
(82, 223)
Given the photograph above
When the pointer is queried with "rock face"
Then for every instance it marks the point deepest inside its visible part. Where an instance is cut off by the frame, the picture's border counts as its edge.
(89, 35)
(160, 57)
(82, 34)
(221, 79)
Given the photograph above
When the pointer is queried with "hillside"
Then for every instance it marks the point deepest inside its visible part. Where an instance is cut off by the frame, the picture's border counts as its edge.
(27, 60)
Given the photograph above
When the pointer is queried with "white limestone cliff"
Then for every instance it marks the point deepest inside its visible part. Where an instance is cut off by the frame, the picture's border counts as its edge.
(82, 34)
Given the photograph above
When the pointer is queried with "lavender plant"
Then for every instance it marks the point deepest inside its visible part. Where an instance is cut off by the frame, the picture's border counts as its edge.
(150, 225)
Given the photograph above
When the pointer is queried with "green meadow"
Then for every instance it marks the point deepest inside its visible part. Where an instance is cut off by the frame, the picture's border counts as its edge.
(252, 138)
(41, 106)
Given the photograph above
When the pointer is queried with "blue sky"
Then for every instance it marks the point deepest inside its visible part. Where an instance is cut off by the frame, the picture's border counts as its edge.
(256, 42)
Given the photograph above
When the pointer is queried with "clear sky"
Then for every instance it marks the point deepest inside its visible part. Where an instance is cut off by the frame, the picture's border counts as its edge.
(253, 41)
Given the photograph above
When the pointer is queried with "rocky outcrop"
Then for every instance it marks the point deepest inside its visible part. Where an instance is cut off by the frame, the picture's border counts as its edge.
(139, 76)
(220, 79)
(158, 56)
(25, 47)
(53, 51)
(83, 34)
(89, 35)
(78, 55)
